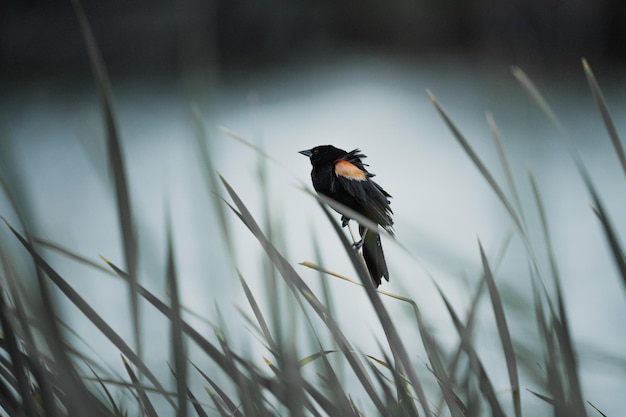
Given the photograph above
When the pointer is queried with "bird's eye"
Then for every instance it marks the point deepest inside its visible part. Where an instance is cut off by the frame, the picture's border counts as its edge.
(316, 151)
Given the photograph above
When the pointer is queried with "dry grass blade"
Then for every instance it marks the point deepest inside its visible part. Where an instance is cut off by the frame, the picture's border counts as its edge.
(145, 403)
(116, 162)
(179, 352)
(477, 161)
(503, 331)
(606, 115)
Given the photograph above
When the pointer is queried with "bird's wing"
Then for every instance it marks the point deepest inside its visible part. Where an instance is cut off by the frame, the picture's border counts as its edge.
(352, 177)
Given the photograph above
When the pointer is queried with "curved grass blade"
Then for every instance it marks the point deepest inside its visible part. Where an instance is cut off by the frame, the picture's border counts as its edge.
(503, 331)
(143, 398)
(116, 163)
(606, 115)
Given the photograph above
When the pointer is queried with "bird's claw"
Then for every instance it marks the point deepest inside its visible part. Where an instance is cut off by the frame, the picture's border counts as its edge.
(344, 221)
(358, 245)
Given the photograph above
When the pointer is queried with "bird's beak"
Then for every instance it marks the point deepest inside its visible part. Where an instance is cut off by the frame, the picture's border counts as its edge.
(306, 153)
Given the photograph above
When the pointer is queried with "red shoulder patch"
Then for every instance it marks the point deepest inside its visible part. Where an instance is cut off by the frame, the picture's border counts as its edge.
(349, 170)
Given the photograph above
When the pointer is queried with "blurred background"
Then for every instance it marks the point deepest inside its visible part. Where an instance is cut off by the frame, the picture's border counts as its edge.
(289, 75)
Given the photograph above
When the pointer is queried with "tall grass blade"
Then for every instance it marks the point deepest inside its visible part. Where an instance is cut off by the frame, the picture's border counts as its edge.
(484, 383)
(89, 312)
(116, 162)
(144, 401)
(503, 331)
(179, 352)
(506, 167)
(296, 283)
(202, 141)
(18, 364)
(554, 383)
(393, 338)
(606, 115)
(477, 161)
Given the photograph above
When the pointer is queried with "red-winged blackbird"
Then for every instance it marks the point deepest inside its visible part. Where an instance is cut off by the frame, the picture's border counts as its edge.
(342, 176)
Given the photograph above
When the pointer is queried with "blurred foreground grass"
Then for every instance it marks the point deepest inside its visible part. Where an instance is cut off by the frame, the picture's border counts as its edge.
(42, 373)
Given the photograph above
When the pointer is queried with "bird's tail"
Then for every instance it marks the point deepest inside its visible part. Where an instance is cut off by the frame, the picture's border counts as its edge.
(373, 255)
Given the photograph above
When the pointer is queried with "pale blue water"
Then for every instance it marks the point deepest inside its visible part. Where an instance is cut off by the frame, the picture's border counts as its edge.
(441, 203)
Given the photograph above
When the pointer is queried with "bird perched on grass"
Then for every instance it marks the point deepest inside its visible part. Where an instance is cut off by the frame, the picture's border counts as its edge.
(342, 176)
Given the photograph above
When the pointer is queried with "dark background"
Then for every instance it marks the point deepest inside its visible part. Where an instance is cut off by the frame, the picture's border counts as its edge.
(42, 38)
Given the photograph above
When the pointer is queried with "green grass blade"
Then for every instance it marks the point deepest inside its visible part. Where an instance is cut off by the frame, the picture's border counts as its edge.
(179, 352)
(116, 163)
(503, 331)
(144, 401)
(606, 115)
(477, 161)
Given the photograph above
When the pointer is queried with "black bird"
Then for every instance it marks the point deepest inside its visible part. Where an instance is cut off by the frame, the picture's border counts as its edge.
(342, 176)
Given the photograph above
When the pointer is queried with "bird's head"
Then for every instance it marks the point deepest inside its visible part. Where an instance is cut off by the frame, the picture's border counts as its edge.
(324, 154)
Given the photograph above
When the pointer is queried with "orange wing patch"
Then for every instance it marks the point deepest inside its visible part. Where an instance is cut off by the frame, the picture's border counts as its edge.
(349, 170)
